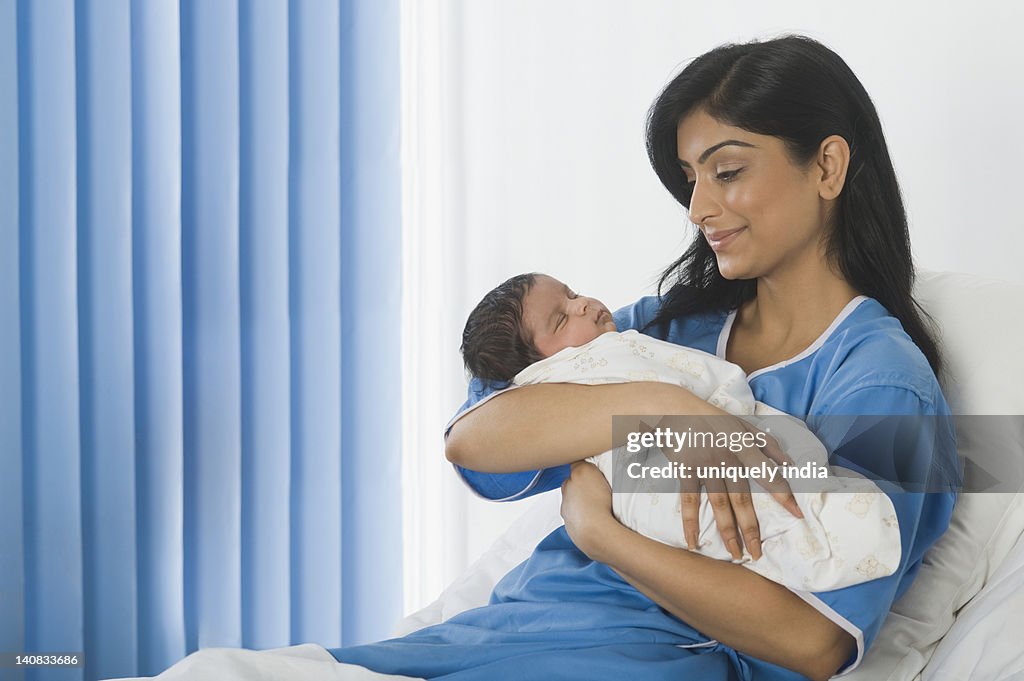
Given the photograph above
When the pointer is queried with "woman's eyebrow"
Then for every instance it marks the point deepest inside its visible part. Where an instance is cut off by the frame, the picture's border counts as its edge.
(712, 149)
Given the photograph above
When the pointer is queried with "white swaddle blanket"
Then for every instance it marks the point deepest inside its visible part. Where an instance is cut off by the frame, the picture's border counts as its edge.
(849, 533)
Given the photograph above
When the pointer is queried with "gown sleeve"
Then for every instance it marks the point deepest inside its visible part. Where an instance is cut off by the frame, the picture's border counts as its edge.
(903, 438)
(502, 486)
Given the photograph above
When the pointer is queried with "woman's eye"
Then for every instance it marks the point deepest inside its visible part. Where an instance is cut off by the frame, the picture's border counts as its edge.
(728, 175)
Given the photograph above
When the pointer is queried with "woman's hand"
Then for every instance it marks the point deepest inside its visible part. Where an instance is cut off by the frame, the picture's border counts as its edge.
(729, 499)
(586, 507)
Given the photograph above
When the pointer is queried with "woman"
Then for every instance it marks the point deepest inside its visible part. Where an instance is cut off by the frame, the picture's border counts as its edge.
(802, 275)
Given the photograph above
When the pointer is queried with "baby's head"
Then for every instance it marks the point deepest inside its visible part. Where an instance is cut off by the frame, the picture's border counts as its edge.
(525, 319)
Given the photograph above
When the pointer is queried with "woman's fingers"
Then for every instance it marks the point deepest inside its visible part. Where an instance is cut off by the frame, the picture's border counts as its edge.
(721, 506)
(689, 504)
(778, 488)
(746, 518)
(730, 498)
(788, 502)
(773, 450)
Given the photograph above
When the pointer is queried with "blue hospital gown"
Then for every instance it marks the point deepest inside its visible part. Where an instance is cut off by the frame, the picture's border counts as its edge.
(560, 615)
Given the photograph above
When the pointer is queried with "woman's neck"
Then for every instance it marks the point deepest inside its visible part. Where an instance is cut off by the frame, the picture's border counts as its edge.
(792, 309)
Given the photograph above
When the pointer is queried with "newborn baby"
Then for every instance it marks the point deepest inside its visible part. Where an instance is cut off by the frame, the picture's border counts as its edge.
(534, 329)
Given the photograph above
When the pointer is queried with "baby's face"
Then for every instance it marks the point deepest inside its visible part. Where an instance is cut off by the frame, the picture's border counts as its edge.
(557, 318)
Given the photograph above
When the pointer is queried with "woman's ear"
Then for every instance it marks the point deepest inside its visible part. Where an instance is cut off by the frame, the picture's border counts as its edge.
(833, 161)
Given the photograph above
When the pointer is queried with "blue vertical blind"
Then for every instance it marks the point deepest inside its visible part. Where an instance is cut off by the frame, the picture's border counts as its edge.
(200, 275)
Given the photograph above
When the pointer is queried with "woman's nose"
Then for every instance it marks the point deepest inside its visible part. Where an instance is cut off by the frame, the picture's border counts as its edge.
(702, 204)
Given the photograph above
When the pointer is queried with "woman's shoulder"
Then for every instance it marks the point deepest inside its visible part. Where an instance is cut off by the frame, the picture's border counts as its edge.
(870, 353)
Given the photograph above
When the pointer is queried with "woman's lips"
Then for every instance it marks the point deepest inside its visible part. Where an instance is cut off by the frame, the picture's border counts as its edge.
(721, 239)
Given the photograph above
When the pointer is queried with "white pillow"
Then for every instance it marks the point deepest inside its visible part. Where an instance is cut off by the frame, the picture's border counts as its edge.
(980, 324)
(984, 642)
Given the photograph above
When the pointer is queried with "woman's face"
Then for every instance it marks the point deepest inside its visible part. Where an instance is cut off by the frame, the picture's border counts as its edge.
(759, 213)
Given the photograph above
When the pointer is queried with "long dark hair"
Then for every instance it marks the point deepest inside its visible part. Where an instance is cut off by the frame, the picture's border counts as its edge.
(796, 89)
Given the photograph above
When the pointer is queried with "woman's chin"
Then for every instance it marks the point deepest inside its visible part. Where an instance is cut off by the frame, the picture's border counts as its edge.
(732, 270)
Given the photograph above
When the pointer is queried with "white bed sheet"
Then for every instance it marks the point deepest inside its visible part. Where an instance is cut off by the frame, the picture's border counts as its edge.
(306, 662)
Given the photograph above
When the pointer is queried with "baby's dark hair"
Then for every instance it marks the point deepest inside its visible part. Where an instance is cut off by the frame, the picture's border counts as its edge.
(495, 343)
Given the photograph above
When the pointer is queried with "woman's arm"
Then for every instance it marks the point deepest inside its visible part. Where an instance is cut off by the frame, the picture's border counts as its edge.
(744, 610)
(727, 602)
(550, 424)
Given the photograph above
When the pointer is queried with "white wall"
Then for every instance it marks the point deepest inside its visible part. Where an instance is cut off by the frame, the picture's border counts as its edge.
(554, 96)
(543, 112)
